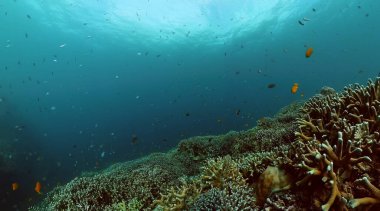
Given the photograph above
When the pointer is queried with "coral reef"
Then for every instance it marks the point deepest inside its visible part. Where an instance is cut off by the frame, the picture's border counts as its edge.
(323, 154)
(189, 176)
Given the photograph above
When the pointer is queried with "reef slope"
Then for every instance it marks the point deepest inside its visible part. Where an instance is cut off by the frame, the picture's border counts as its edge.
(319, 154)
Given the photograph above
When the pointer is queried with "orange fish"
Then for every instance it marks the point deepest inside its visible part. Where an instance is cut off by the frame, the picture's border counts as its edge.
(308, 53)
(38, 187)
(294, 88)
(15, 186)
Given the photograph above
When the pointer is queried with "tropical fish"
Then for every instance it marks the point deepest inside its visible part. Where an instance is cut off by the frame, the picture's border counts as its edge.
(38, 187)
(15, 186)
(308, 53)
(135, 139)
(294, 88)
(272, 85)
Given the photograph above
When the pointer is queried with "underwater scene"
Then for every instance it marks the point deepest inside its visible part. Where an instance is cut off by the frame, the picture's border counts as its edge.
(189, 105)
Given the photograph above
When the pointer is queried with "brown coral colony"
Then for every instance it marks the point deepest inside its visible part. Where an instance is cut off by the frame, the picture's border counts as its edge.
(340, 138)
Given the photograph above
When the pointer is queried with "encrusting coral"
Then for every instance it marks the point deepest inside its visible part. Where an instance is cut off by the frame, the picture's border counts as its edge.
(339, 136)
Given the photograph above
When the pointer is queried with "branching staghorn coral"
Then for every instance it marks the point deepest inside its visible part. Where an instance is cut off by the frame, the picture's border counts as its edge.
(339, 135)
(366, 200)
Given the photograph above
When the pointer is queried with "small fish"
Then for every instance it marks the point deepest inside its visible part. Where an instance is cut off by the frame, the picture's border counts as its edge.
(63, 45)
(237, 112)
(15, 186)
(294, 88)
(301, 23)
(309, 51)
(271, 85)
(135, 139)
(28, 16)
(305, 19)
(38, 187)
(187, 114)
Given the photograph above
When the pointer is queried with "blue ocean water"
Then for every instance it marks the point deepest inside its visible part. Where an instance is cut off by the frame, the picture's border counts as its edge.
(84, 84)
